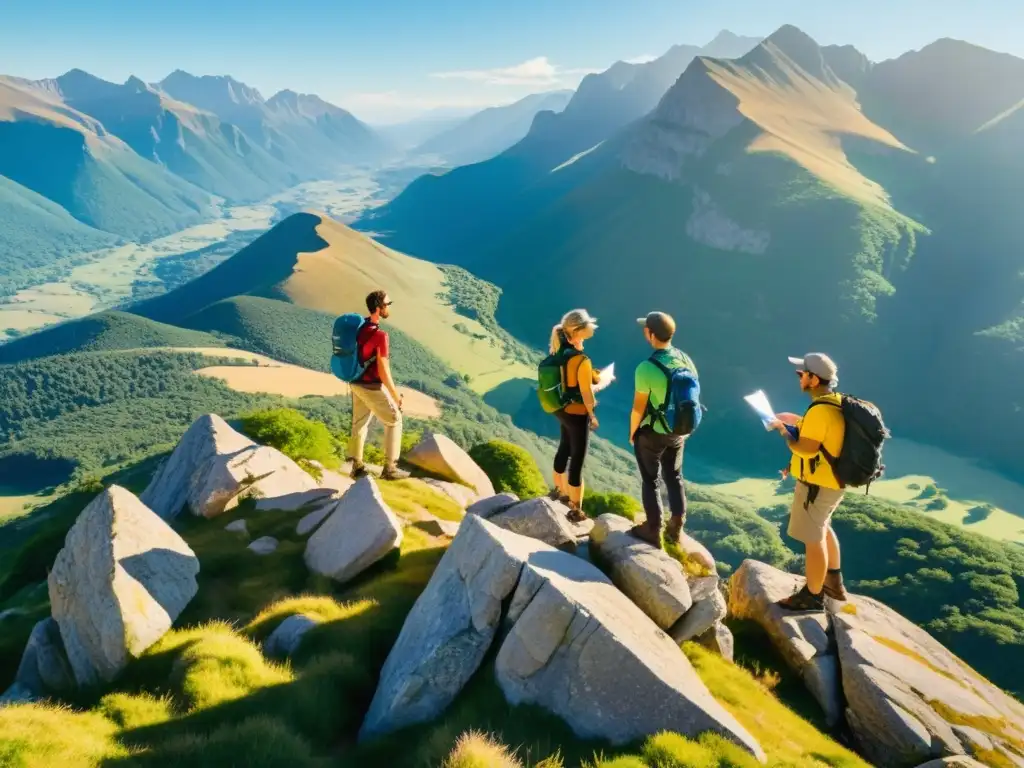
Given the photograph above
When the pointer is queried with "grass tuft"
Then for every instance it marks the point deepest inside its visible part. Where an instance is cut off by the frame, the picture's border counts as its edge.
(36, 736)
(320, 608)
(479, 750)
(407, 497)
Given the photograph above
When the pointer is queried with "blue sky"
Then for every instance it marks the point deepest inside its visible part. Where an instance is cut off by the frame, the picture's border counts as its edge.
(390, 59)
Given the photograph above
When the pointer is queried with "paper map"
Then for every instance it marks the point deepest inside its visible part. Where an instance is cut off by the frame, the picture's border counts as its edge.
(759, 402)
(607, 376)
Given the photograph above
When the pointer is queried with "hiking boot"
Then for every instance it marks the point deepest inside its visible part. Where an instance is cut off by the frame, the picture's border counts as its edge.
(559, 497)
(394, 473)
(575, 514)
(358, 471)
(674, 529)
(834, 586)
(645, 533)
(803, 601)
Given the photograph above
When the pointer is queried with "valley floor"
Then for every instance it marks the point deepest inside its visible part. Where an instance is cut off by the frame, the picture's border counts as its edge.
(940, 485)
(107, 278)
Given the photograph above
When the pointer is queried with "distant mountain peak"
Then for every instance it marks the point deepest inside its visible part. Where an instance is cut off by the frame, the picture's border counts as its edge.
(225, 85)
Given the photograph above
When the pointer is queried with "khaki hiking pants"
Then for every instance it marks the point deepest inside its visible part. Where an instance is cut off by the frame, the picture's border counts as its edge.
(368, 402)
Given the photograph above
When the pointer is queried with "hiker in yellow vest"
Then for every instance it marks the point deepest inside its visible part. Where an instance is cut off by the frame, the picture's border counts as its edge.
(818, 492)
(577, 417)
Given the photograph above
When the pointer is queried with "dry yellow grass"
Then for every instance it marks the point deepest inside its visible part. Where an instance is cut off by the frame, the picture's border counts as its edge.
(352, 265)
(274, 378)
(805, 119)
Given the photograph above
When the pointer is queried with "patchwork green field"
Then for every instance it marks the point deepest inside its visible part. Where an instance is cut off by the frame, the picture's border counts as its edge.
(934, 482)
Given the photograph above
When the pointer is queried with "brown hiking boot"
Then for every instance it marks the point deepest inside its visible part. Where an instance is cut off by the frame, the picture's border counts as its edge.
(575, 514)
(394, 473)
(674, 529)
(645, 533)
(803, 600)
(834, 586)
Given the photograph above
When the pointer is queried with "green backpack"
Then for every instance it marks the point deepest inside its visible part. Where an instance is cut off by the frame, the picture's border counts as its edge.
(551, 387)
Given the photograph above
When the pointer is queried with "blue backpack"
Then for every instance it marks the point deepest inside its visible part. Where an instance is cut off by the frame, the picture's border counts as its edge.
(345, 362)
(682, 410)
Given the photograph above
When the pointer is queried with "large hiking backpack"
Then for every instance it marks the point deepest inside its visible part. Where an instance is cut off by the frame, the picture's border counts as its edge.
(859, 462)
(682, 410)
(345, 363)
(552, 389)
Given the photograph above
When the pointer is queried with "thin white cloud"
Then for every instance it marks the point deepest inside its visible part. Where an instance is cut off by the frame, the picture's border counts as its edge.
(644, 59)
(538, 71)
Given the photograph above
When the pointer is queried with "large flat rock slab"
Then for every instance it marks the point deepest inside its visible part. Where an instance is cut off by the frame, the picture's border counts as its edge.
(118, 584)
(650, 577)
(910, 699)
(359, 531)
(569, 640)
(907, 699)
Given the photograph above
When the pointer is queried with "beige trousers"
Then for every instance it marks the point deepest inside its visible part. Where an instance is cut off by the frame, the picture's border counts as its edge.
(368, 402)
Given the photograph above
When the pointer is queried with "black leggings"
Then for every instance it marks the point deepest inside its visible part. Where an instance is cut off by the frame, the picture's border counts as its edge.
(572, 448)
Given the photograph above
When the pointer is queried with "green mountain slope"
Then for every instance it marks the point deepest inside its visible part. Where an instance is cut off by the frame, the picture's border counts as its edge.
(449, 217)
(72, 160)
(37, 236)
(103, 331)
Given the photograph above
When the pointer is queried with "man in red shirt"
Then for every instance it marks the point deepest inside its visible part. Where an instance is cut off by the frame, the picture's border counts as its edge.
(375, 394)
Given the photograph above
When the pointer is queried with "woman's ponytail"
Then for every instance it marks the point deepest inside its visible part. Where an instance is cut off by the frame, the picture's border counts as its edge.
(556, 338)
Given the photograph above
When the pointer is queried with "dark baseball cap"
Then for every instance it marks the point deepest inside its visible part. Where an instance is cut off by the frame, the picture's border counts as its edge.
(660, 324)
(819, 364)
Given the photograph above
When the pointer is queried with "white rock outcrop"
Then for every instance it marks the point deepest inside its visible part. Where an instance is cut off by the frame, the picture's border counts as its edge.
(648, 576)
(441, 456)
(359, 531)
(570, 642)
(214, 467)
(906, 697)
(118, 584)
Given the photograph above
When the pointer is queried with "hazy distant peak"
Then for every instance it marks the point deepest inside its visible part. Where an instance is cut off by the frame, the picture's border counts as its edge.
(728, 45)
(181, 84)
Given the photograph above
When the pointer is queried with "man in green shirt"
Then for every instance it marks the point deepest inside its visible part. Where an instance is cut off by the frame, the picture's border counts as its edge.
(658, 451)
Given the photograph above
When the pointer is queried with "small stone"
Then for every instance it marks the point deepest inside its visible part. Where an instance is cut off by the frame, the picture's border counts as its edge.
(286, 639)
(264, 545)
(238, 526)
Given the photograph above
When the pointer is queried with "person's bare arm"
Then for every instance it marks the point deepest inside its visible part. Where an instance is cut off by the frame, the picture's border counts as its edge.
(384, 366)
(586, 382)
(637, 414)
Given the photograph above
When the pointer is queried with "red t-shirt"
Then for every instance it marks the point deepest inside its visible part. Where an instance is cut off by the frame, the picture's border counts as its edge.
(371, 339)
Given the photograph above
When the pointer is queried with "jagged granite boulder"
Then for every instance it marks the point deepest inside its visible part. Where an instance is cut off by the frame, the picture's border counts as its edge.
(213, 467)
(359, 531)
(718, 640)
(450, 628)
(542, 519)
(702, 616)
(651, 578)
(118, 584)
(570, 642)
(492, 505)
(801, 637)
(440, 456)
(44, 667)
(909, 699)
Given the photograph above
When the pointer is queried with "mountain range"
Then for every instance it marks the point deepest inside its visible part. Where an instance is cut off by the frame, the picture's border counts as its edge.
(86, 163)
(796, 197)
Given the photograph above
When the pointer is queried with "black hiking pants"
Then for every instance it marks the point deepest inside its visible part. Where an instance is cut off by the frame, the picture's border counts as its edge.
(660, 454)
(572, 447)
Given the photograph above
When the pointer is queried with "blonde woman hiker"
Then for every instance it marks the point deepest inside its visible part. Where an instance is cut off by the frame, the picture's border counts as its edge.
(576, 414)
